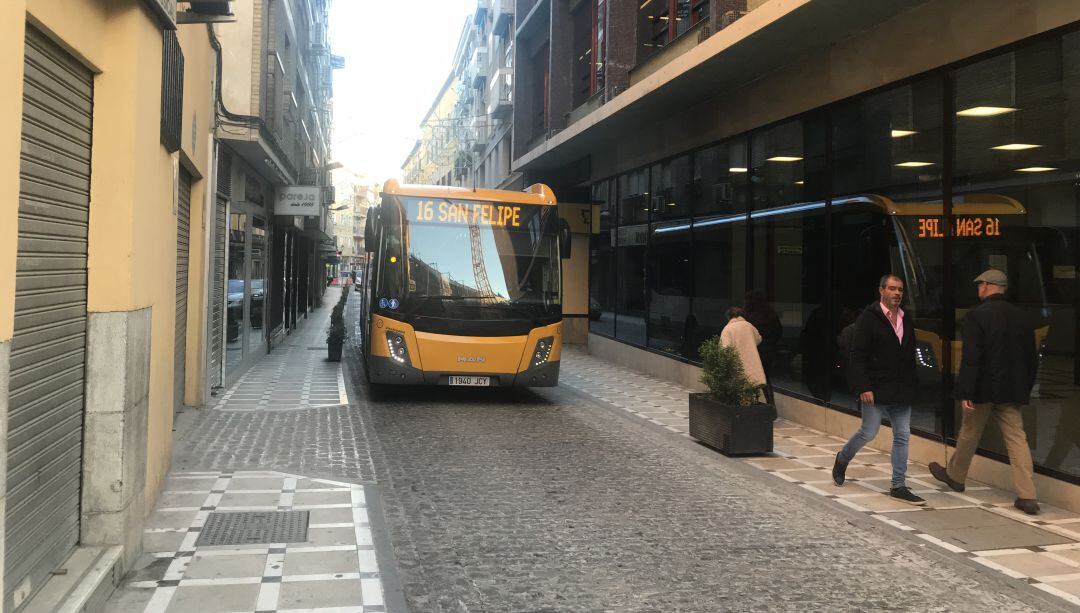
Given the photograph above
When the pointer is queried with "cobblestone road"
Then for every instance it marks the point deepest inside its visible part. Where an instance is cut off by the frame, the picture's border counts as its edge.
(552, 501)
(555, 500)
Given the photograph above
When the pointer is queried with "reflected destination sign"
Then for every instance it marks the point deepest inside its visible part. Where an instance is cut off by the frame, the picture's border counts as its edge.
(465, 213)
(965, 227)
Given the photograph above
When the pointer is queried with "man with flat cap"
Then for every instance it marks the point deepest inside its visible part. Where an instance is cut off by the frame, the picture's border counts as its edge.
(997, 373)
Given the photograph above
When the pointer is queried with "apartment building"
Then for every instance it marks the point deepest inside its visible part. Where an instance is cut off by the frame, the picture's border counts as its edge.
(274, 188)
(783, 155)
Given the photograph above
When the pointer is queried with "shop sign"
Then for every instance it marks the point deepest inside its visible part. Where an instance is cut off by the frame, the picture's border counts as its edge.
(298, 200)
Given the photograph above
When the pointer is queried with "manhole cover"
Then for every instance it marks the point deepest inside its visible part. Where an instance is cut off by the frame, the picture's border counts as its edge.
(254, 527)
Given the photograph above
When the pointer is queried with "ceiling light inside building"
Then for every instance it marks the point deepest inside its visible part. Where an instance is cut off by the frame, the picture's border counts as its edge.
(736, 169)
(1015, 147)
(799, 182)
(914, 164)
(1035, 169)
(985, 111)
(783, 158)
(901, 133)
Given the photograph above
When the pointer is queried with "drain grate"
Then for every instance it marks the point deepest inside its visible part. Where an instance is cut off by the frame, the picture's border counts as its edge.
(254, 527)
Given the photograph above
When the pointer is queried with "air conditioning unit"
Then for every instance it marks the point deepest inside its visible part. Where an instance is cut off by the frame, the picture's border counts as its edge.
(703, 33)
(730, 17)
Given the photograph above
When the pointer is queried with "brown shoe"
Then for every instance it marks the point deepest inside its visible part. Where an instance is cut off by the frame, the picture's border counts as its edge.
(1027, 505)
(941, 474)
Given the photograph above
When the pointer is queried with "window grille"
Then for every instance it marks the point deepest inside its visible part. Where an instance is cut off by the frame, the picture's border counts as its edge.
(172, 91)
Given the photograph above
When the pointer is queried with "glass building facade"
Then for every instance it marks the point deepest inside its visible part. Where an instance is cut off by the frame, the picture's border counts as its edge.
(934, 179)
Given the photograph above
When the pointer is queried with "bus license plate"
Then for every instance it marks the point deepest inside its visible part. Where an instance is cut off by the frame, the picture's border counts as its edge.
(471, 381)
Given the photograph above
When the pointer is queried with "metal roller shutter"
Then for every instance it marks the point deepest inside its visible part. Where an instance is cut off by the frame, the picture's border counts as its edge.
(48, 349)
(217, 294)
(183, 232)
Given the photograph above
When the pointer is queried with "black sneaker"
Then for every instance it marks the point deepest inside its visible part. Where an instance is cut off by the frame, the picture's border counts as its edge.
(1027, 505)
(941, 474)
(839, 470)
(903, 494)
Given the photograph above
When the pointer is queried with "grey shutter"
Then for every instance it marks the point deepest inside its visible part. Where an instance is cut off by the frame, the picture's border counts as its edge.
(183, 233)
(48, 349)
(217, 294)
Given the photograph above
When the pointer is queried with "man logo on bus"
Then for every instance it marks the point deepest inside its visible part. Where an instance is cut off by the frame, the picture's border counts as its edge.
(472, 359)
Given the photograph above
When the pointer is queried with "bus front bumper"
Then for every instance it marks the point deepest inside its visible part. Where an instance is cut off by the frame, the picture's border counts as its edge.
(383, 370)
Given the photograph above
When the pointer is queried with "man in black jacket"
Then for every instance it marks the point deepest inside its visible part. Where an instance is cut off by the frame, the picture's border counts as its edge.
(882, 373)
(997, 373)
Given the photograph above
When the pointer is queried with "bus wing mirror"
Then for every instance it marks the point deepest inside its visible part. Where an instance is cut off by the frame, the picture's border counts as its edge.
(564, 239)
(370, 230)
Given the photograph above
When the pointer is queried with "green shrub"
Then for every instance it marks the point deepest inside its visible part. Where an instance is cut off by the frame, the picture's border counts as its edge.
(336, 333)
(724, 375)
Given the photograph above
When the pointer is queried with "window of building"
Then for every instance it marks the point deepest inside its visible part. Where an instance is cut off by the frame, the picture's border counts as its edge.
(887, 161)
(720, 175)
(671, 189)
(654, 18)
(1017, 154)
(669, 278)
(630, 256)
(582, 74)
(602, 271)
(600, 13)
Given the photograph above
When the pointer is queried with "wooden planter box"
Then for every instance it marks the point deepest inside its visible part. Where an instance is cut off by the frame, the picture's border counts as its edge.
(333, 351)
(732, 430)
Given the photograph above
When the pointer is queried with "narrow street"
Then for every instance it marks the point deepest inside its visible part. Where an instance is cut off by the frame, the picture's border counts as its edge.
(517, 500)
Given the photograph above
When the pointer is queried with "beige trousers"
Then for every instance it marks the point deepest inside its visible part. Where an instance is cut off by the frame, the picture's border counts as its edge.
(1012, 430)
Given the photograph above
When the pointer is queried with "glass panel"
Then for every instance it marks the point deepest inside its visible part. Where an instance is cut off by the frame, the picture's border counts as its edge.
(671, 183)
(630, 256)
(719, 264)
(1017, 156)
(652, 28)
(789, 251)
(258, 282)
(887, 152)
(669, 276)
(602, 273)
(234, 321)
(720, 178)
(682, 16)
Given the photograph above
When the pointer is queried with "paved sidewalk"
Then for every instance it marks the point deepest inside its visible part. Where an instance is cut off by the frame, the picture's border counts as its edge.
(290, 411)
(980, 524)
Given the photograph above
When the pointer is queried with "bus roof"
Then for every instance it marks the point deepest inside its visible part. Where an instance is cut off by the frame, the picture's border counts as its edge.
(537, 193)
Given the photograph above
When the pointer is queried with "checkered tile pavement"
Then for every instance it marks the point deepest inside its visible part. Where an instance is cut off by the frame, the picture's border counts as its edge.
(980, 523)
(333, 571)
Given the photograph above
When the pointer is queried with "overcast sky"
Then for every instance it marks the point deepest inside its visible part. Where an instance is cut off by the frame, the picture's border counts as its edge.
(397, 55)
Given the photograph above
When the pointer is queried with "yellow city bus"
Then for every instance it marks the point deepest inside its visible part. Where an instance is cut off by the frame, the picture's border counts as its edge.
(464, 287)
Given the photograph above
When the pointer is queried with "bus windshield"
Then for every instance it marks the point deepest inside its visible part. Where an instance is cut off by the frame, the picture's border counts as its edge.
(470, 259)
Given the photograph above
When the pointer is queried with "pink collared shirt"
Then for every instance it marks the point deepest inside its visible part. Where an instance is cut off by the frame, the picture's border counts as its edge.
(897, 323)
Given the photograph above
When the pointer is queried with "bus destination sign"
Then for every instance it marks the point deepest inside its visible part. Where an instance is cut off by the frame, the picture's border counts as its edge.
(465, 213)
(965, 227)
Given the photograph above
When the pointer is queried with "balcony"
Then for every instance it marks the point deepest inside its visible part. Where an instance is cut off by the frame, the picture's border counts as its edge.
(504, 16)
(501, 93)
(479, 66)
(482, 8)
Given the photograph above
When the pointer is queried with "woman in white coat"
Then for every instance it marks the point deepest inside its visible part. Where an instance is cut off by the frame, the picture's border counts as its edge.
(744, 337)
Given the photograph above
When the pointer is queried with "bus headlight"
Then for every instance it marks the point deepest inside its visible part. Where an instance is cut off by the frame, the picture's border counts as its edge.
(395, 342)
(543, 351)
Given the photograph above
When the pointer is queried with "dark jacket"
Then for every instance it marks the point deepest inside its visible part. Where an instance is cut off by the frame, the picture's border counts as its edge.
(880, 363)
(1000, 358)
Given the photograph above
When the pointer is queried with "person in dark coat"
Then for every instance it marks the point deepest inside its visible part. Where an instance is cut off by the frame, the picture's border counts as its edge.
(883, 376)
(997, 374)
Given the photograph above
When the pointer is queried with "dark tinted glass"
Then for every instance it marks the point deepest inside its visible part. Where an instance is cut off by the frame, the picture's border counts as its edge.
(602, 272)
(1017, 155)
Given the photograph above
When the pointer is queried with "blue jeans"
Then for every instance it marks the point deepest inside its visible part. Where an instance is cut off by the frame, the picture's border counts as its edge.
(900, 417)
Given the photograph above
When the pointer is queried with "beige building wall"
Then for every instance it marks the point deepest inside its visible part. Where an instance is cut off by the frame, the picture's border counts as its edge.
(132, 233)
